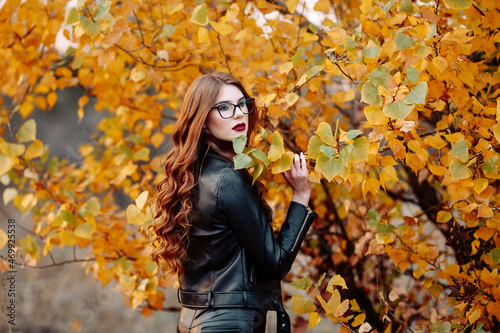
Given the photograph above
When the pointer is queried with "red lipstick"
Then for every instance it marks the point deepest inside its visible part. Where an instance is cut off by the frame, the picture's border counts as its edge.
(239, 127)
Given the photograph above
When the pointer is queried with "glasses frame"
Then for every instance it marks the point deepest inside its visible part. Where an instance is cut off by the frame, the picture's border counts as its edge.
(249, 102)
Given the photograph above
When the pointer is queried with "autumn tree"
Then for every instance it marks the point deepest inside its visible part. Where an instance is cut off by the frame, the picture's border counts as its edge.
(394, 102)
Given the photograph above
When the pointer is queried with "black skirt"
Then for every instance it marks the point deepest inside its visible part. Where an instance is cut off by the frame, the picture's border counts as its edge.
(221, 320)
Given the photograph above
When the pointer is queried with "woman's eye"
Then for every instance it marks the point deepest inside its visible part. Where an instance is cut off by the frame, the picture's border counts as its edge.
(224, 107)
(242, 103)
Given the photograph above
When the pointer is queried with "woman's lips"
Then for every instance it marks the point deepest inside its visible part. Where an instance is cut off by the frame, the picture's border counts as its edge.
(239, 127)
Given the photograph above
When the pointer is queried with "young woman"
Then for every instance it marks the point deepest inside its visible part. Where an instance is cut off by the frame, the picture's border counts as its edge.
(212, 227)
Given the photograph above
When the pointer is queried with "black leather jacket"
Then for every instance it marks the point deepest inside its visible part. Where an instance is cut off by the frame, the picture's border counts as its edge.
(234, 259)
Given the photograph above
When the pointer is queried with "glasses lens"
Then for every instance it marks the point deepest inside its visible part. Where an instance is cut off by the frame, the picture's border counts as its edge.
(250, 105)
(225, 110)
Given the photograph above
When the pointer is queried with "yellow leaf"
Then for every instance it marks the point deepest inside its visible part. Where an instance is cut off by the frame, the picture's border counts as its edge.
(26, 109)
(9, 194)
(222, 29)
(277, 147)
(141, 199)
(484, 211)
(203, 36)
(137, 75)
(375, 116)
(365, 6)
(496, 130)
(440, 63)
(29, 246)
(34, 150)
(68, 237)
(3, 238)
(443, 216)
(6, 163)
(85, 230)
(51, 99)
(459, 170)
(168, 129)
(284, 69)
(291, 98)
(473, 316)
(337, 280)
(437, 170)
(291, 4)
(358, 320)
(314, 319)
(27, 132)
(269, 98)
(480, 185)
(302, 305)
(338, 36)
(283, 163)
(135, 216)
(342, 308)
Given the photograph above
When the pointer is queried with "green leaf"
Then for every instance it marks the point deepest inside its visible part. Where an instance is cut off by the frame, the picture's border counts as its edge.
(261, 156)
(417, 94)
(403, 41)
(318, 284)
(296, 57)
(371, 52)
(200, 14)
(324, 132)
(495, 255)
(359, 150)
(491, 165)
(303, 284)
(73, 16)
(239, 143)
(353, 133)
(313, 149)
(27, 131)
(329, 167)
(277, 147)
(385, 229)
(460, 150)
(167, 30)
(263, 132)
(398, 110)
(30, 246)
(350, 44)
(91, 28)
(379, 76)
(369, 94)
(91, 208)
(388, 6)
(328, 151)
(258, 172)
(412, 74)
(407, 7)
(68, 217)
(85, 230)
(459, 170)
(458, 4)
(102, 10)
(242, 161)
(373, 215)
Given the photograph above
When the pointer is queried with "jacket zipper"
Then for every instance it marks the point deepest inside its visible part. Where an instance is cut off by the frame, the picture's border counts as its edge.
(309, 211)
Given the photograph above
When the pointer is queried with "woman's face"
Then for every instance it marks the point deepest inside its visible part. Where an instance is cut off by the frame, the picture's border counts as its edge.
(227, 129)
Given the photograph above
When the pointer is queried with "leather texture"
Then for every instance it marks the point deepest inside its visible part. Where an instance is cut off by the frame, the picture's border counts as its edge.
(234, 259)
(218, 320)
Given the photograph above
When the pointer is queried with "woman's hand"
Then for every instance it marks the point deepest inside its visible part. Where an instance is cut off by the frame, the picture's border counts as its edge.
(298, 179)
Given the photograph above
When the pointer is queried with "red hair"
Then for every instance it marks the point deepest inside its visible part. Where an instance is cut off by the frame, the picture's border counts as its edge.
(173, 204)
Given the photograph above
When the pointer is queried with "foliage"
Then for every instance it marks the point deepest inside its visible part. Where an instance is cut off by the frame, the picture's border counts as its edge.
(394, 102)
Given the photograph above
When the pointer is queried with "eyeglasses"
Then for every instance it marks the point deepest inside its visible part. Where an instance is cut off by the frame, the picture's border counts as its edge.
(246, 105)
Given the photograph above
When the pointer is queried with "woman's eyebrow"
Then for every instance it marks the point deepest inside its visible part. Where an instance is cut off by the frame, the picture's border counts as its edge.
(222, 102)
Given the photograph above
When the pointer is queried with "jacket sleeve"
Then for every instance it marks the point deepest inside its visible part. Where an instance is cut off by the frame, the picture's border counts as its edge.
(240, 205)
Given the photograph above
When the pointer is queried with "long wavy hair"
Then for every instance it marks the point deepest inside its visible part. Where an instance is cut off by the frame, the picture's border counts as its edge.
(172, 203)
